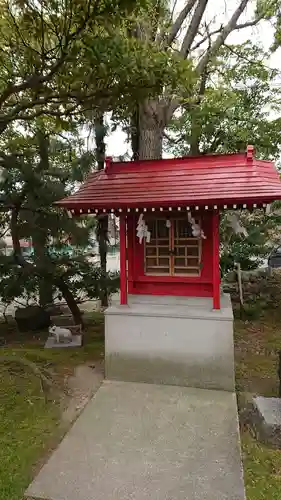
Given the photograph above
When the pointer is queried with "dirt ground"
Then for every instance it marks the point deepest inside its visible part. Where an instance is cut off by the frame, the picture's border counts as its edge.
(82, 385)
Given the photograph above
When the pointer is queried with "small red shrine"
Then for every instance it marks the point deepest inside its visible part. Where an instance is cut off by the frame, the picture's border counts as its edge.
(166, 192)
(169, 239)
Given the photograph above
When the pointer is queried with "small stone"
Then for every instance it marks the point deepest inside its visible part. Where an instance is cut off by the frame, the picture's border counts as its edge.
(266, 420)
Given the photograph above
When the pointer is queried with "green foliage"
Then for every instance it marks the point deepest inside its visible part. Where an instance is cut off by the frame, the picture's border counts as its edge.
(42, 166)
(60, 59)
(272, 9)
(239, 106)
(252, 250)
(86, 280)
(15, 282)
(83, 278)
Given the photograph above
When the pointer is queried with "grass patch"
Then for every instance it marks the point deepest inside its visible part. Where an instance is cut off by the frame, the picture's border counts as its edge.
(256, 345)
(29, 426)
(262, 468)
(256, 355)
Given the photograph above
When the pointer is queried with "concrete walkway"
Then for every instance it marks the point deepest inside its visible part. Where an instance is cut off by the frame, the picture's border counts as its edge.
(140, 441)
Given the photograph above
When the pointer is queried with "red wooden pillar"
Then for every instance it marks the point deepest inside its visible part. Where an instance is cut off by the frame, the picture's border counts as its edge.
(123, 261)
(216, 259)
(130, 253)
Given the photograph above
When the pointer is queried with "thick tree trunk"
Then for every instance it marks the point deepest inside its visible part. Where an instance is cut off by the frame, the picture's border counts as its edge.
(102, 226)
(151, 143)
(151, 131)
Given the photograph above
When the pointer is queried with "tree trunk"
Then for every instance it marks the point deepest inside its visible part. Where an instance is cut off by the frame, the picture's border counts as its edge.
(39, 232)
(195, 134)
(45, 294)
(151, 131)
(41, 260)
(70, 300)
(151, 143)
(102, 226)
(135, 135)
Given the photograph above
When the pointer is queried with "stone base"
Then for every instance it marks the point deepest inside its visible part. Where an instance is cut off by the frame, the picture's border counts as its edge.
(266, 420)
(52, 344)
(171, 340)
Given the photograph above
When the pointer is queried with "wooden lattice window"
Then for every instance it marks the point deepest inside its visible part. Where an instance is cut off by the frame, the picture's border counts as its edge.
(173, 250)
(157, 252)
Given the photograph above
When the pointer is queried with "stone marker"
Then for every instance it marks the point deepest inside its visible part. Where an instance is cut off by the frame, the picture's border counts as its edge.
(266, 420)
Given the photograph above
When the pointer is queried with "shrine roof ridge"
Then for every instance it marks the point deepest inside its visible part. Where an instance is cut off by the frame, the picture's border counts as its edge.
(179, 181)
(208, 159)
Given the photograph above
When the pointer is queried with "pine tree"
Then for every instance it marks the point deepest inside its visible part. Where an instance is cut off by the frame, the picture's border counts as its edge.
(41, 167)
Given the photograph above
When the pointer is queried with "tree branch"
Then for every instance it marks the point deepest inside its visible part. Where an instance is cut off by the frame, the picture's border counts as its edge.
(240, 56)
(173, 10)
(37, 79)
(177, 24)
(192, 29)
(4, 233)
(174, 140)
(228, 28)
(70, 101)
(205, 38)
(248, 24)
(17, 28)
(215, 46)
(43, 111)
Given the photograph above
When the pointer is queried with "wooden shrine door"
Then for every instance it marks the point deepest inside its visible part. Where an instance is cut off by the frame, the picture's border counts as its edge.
(172, 250)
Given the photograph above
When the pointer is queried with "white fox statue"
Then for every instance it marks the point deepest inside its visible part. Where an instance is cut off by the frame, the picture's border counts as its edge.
(61, 334)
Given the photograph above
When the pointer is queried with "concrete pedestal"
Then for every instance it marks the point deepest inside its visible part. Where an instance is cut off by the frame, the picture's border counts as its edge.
(171, 340)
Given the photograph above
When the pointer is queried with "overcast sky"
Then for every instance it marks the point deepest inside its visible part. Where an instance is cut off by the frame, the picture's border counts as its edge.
(220, 10)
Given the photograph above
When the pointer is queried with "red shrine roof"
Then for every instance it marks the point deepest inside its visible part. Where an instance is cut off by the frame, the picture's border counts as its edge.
(203, 180)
